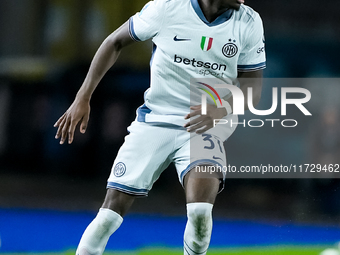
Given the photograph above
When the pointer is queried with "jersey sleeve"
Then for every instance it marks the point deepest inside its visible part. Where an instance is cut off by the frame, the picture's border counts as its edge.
(253, 56)
(146, 24)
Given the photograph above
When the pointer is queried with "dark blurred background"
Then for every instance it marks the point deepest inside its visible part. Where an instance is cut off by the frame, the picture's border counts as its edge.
(46, 47)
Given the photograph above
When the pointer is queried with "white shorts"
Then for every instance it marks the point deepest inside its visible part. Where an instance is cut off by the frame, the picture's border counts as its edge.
(150, 148)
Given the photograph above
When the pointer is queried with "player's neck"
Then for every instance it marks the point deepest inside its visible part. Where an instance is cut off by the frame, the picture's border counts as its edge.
(212, 8)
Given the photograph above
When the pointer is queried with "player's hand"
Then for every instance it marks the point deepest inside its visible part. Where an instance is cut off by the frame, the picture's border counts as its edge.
(78, 111)
(203, 123)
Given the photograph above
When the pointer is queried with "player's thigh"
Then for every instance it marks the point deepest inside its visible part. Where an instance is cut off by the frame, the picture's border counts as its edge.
(118, 201)
(205, 177)
(201, 161)
(201, 188)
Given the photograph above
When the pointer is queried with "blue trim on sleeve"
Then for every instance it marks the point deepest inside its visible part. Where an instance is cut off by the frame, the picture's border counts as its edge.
(254, 67)
(219, 20)
(141, 112)
(127, 189)
(132, 31)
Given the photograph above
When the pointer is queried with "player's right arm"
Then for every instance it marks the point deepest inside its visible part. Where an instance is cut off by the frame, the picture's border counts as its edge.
(103, 60)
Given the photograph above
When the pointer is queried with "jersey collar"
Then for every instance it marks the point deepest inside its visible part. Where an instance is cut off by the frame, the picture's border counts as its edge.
(219, 20)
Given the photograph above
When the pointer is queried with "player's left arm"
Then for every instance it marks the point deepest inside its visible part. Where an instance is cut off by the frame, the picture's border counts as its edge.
(252, 60)
(252, 80)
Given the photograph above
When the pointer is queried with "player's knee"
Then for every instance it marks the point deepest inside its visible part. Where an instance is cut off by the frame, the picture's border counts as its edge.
(199, 226)
(97, 234)
(201, 239)
(201, 218)
(199, 189)
(105, 222)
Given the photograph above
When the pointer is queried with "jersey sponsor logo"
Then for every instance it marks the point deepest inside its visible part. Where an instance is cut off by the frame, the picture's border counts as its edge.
(198, 63)
(206, 43)
(119, 169)
(203, 68)
(180, 39)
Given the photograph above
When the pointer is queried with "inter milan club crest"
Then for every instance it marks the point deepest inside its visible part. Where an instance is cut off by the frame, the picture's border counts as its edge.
(119, 169)
(230, 49)
(206, 43)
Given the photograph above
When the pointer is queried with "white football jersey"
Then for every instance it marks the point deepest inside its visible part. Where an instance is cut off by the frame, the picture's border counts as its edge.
(187, 46)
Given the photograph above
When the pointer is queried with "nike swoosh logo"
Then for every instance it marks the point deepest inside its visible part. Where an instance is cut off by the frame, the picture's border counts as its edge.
(217, 158)
(180, 40)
